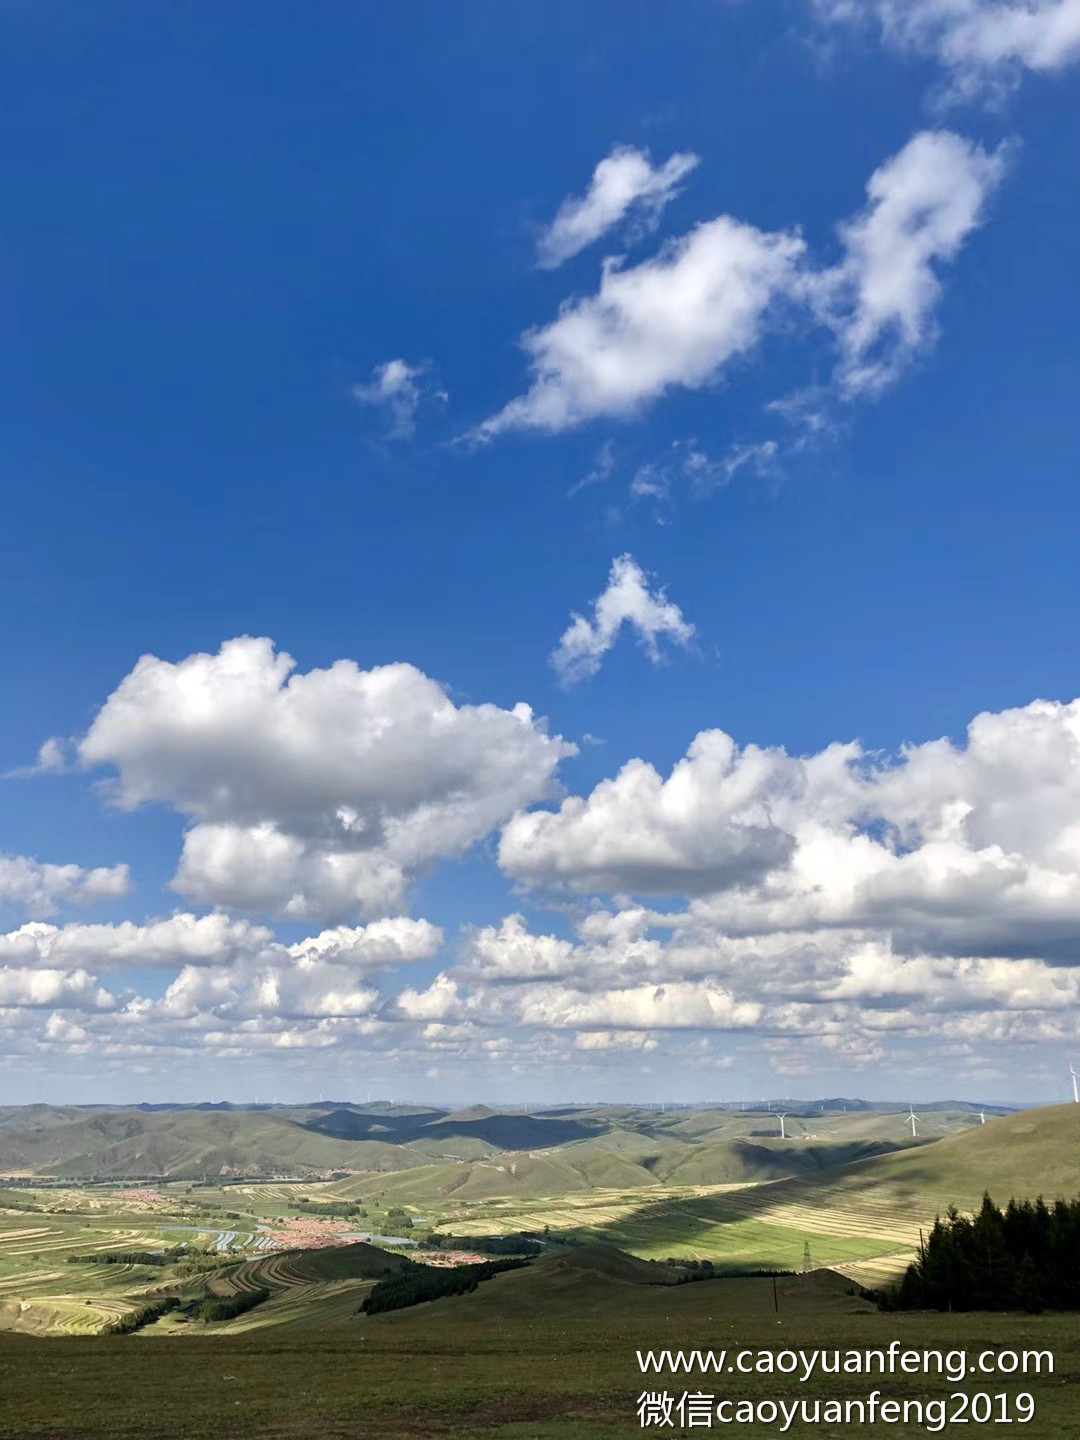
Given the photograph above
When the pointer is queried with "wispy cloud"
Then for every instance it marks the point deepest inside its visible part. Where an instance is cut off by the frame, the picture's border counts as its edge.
(983, 44)
(625, 183)
(398, 389)
(882, 298)
(603, 468)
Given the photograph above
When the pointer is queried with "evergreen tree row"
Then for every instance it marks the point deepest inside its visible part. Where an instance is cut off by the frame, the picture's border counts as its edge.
(1025, 1257)
(418, 1283)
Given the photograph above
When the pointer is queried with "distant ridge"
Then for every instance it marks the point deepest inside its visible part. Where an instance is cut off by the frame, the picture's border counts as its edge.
(423, 1152)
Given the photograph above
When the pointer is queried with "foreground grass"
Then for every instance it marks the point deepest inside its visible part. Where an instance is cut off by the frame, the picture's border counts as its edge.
(502, 1362)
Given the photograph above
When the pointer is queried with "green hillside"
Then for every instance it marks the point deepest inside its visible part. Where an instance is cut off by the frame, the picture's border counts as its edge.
(475, 1154)
(1034, 1152)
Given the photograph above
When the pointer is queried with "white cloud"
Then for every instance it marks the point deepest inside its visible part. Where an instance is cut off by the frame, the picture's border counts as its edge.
(677, 1005)
(41, 889)
(945, 850)
(650, 482)
(307, 989)
(760, 457)
(619, 987)
(52, 759)
(633, 1040)
(180, 940)
(314, 795)
(978, 41)
(923, 204)
(676, 319)
(685, 464)
(627, 600)
(603, 468)
(34, 989)
(237, 988)
(710, 824)
(624, 182)
(215, 942)
(396, 940)
(398, 389)
(706, 299)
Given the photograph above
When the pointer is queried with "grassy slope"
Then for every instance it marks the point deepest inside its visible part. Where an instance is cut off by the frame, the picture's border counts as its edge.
(867, 1209)
(1030, 1153)
(480, 1366)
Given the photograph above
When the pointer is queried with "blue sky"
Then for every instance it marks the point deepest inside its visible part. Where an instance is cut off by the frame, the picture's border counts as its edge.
(268, 284)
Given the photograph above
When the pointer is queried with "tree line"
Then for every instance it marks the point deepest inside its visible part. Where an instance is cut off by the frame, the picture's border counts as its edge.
(1025, 1257)
(523, 1242)
(130, 1257)
(419, 1283)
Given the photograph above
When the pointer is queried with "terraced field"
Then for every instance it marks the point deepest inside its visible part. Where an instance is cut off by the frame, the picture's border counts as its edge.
(307, 1288)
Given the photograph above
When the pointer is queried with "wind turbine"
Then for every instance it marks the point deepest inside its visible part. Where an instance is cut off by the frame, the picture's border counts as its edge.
(982, 1117)
(779, 1114)
(1075, 1077)
(912, 1117)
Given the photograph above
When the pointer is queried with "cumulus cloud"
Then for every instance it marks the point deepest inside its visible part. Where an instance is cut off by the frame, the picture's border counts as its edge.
(635, 1041)
(209, 941)
(948, 850)
(980, 42)
(314, 795)
(624, 182)
(678, 1005)
(397, 389)
(33, 989)
(41, 889)
(626, 601)
(709, 825)
(922, 206)
(307, 989)
(674, 320)
(631, 980)
(237, 990)
(181, 939)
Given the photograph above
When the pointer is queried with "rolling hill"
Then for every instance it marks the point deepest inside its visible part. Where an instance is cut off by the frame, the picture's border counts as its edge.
(472, 1154)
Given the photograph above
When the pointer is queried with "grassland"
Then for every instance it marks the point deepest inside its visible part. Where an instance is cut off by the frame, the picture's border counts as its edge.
(523, 1358)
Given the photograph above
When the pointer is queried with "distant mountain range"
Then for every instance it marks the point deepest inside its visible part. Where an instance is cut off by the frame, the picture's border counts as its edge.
(557, 1150)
